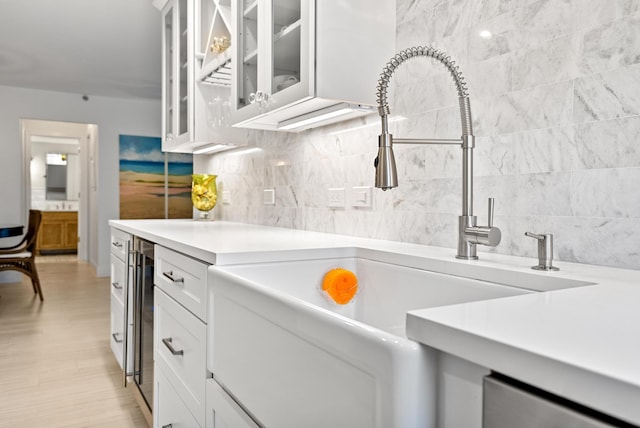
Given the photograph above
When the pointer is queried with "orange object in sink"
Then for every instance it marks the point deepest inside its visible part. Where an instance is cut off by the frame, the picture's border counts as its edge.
(341, 285)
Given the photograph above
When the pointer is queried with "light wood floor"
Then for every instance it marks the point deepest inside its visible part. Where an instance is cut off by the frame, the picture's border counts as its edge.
(56, 364)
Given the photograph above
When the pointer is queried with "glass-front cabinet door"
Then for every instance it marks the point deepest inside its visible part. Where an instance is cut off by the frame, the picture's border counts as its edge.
(178, 63)
(274, 51)
(183, 98)
(167, 77)
(250, 19)
(286, 44)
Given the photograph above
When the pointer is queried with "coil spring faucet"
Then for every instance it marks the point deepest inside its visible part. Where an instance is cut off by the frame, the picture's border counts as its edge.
(470, 234)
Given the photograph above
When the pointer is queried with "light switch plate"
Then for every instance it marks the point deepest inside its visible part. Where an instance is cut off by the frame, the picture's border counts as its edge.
(226, 197)
(269, 196)
(361, 196)
(336, 197)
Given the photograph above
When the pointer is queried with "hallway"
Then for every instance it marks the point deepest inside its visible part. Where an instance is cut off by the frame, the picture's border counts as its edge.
(56, 364)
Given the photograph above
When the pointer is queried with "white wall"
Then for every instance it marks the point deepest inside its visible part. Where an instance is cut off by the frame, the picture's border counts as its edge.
(113, 117)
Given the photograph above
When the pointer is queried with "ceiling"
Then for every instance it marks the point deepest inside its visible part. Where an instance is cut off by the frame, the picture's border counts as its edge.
(91, 47)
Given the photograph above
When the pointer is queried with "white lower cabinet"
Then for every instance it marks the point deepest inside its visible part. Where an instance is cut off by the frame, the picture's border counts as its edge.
(117, 330)
(180, 350)
(120, 282)
(183, 279)
(179, 340)
(459, 392)
(118, 336)
(170, 410)
(223, 411)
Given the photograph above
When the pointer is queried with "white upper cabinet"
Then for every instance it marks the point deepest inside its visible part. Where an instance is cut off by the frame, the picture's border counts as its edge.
(178, 61)
(215, 37)
(304, 63)
(196, 109)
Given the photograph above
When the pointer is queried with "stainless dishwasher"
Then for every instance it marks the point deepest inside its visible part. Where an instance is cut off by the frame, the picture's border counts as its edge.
(508, 403)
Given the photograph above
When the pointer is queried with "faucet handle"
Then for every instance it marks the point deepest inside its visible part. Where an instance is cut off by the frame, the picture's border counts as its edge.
(490, 205)
(545, 251)
(483, 235)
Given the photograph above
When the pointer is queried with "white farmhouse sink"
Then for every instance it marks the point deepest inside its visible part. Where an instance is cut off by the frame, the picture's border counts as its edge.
(292, 358)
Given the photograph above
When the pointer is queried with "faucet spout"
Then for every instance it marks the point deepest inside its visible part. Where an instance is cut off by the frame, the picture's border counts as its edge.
(470, 234)
(385, 163)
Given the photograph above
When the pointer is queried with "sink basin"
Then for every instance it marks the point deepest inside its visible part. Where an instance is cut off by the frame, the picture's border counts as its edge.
(292, 357)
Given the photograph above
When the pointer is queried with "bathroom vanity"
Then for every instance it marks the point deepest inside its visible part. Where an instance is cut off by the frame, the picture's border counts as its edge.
(571, 333)
(58, 232)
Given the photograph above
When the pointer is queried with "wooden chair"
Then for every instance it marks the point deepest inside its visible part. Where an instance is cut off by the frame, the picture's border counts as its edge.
(22, 257)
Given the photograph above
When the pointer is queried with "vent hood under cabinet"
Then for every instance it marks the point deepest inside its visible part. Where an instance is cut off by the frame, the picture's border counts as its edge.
(299, 64)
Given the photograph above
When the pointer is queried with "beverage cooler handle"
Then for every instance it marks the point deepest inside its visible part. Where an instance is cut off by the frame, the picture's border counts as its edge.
(129, 253)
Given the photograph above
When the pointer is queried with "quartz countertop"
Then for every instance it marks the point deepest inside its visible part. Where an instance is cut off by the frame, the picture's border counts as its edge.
(582, 342)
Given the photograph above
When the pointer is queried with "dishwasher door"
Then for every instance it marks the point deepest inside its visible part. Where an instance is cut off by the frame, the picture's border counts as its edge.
(506, 405)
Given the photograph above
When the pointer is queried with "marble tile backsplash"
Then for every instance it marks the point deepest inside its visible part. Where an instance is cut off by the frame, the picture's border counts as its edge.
(555, 96)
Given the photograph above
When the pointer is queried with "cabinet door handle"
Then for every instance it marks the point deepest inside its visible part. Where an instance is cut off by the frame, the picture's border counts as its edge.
(167, 426)
(173, 278)
(116, 285)
(117, 244)
(167, 343)
(115, 337)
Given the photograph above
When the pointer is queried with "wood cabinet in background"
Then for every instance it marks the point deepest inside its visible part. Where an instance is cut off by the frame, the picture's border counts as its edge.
(58, 232)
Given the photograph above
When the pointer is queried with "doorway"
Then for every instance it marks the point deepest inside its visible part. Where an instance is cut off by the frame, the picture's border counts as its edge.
(58, 169)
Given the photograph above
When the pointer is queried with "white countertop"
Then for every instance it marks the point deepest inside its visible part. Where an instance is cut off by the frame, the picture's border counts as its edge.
(225, 243)
(582, 343)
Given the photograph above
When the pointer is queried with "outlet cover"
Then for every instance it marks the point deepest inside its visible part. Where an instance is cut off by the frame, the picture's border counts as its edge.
(226, 197)
(361, 196)
(336, 197)
(269, 196)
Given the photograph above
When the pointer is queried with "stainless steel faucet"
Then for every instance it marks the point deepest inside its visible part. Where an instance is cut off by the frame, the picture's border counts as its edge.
(469, 233)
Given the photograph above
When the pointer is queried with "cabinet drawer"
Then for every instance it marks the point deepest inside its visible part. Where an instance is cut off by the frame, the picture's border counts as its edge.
(182, 278)
(117, 329)
(120, 244)
(180, 347)
(169, 409)
(223, 411)
(118, 278)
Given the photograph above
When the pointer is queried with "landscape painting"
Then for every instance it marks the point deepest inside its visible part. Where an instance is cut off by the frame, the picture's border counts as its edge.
(153, 184)
(179, 171)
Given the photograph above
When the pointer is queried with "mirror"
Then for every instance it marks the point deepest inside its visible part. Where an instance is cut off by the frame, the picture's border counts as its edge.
(60, 178)
(55, 170)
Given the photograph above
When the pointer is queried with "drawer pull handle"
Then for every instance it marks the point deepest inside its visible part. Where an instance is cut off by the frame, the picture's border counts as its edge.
(116, 285)
(117, 244)
(173, 278)
(167, 426)
(115, 337)
(167, 343)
